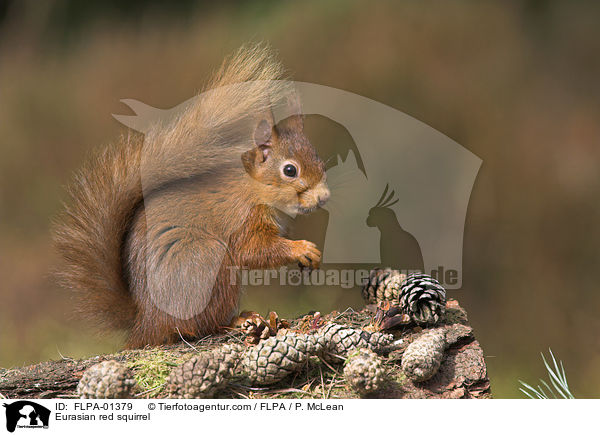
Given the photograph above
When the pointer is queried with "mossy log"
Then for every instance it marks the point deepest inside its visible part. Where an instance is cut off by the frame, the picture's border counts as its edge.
(462, 373)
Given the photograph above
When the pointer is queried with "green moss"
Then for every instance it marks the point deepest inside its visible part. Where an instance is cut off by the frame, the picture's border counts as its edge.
(152, 368)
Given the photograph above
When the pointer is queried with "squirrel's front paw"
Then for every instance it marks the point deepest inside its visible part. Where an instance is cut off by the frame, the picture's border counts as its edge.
(306, 253)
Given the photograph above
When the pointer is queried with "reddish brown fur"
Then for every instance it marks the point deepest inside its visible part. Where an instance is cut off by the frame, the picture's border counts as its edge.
(200, 212)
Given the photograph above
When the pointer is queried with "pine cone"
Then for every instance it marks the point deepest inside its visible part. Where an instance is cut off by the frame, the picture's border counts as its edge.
(339, 340)
(276, 357)
(106, 380)
(422, 298)
(423, 357)
(205, 374)
(383, 285)
(256, 329)
(363, 371)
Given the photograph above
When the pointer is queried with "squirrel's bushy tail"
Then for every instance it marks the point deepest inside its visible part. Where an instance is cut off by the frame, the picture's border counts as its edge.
(90, 233)
(107, 192)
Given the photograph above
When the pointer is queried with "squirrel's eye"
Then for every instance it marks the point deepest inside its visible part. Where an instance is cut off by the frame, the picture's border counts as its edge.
(290, 170)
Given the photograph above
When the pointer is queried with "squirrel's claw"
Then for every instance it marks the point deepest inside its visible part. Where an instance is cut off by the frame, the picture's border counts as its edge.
(307, 254)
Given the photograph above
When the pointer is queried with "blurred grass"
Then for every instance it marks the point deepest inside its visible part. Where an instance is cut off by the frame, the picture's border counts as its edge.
(515, 83)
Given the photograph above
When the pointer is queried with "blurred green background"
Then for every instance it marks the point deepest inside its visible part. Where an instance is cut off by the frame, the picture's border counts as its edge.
(516, 83)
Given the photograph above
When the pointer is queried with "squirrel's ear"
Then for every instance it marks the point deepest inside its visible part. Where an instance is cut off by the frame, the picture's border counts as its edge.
(294, 122)
(263, 133)
(253, 158)
(263, 139)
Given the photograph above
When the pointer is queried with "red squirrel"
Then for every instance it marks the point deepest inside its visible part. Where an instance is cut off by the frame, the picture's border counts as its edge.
(155, 225)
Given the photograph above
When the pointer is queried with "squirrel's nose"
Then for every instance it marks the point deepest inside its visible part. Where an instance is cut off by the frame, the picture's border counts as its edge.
(322, 198)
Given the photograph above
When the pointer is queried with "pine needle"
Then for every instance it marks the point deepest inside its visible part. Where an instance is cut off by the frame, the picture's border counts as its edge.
(558, 379)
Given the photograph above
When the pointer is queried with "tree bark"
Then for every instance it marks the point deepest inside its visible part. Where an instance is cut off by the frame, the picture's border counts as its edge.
(462, 373)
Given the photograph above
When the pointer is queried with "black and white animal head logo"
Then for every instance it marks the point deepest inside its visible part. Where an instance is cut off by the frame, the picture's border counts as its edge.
(26, 414)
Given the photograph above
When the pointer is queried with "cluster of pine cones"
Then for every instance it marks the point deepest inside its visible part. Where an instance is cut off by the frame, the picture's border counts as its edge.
(418, 296)
(266, 363)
